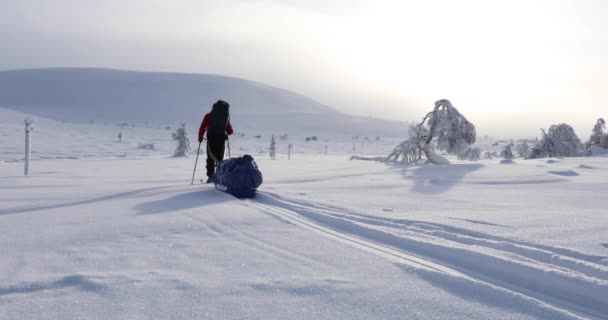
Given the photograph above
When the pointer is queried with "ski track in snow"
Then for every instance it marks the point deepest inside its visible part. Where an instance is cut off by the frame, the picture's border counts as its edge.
(565, 282)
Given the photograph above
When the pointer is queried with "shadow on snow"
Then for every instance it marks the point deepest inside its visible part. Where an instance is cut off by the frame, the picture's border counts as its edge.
(431, 179)
(78, 281)
(183, 201)
(81, 202)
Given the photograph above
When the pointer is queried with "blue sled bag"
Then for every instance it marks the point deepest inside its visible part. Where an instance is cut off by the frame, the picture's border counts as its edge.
(239, 177)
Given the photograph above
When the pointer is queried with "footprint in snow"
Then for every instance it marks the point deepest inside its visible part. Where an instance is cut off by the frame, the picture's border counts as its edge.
(302, 194)
(584, 166)
(387, 210)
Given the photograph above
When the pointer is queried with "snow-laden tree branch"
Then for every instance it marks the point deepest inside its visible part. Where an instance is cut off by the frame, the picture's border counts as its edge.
(443, 128)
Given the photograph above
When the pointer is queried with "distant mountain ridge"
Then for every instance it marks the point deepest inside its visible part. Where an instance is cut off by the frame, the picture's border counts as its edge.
(84, 94)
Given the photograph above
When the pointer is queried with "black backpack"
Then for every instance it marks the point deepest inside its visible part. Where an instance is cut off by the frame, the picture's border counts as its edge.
(219, 119)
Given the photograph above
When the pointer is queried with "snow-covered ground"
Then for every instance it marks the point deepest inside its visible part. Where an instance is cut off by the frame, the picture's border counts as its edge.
(104, 230)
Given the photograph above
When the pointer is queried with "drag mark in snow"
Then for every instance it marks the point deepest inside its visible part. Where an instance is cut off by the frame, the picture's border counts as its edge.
(483, 222)
(363, 244)
(569, 283)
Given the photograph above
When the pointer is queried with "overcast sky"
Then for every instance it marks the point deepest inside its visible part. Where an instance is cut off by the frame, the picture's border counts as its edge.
(510, 66)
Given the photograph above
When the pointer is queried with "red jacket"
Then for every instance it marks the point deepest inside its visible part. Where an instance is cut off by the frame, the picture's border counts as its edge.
(206, 119)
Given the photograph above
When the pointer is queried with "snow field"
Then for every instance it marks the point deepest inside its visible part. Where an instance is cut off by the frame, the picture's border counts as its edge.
(119, 232)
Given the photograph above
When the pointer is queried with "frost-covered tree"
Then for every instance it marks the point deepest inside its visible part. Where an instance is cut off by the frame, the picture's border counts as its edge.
(470, 154)
(559, 141)
(523, 149)
(599, 137)
(183, 142)
(410, 150)
(443, 128)
(488, 156)
(507, 153)
(272, 149)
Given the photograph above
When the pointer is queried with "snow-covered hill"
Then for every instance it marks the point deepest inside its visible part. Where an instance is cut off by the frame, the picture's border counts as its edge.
(116, 96)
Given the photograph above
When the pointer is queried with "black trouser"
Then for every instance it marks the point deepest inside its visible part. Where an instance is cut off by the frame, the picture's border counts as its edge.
(215, 152)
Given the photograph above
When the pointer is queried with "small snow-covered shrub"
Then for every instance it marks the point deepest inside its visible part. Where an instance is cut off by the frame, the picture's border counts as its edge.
(523, 149)
(507, 153)
(146, 146)
(560, 141)
(444, 128)
(595, 151)
(272, 149)
(183, 142)
(470, 154)
(488, 156)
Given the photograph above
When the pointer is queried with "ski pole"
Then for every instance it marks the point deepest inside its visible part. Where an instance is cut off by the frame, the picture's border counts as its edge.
(196, 161)
(228, 139)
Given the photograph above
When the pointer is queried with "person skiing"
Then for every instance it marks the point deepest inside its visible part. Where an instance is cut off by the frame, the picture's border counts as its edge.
(217, 126)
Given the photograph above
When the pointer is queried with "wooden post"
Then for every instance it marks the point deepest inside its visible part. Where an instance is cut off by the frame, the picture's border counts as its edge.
(29, 127)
